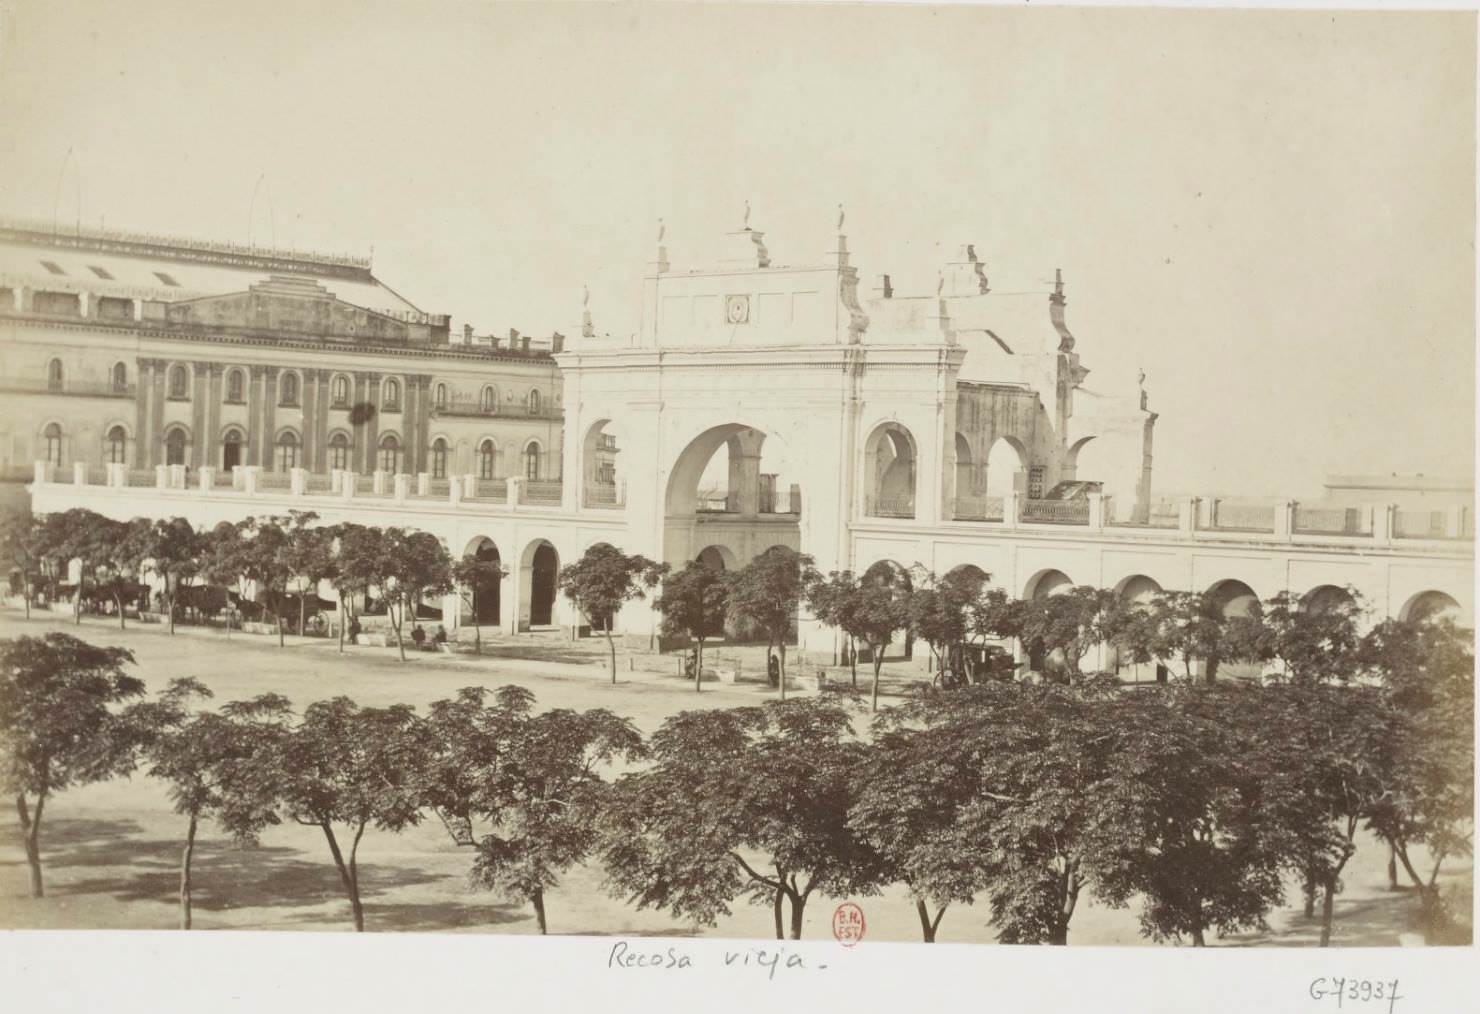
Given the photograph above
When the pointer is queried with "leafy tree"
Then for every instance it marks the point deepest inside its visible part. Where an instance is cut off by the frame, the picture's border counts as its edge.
(908, 808)
(310, 556)
(744, 801)
(168, 548)
(412, 565)
(358, 552)
(1188, 626)
(350, 766)
(880, 608)
(1427, 674)
(1185, 822)
(766, 593)
(605, 578)
(521, 788)
(1311, 645)
(23, 548)
(97, 544)
(693, 602)
(58, 724)
(263, 552)
(472, 573)
(206, 757)
(1067, 624)
(831, 599)
(939, 611)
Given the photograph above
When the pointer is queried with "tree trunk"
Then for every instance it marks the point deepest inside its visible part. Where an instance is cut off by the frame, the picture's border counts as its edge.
(1058, 934)
(776, 906)
(1328, 908)
(781, 658)
(170, 606)
(798, 907)
(927, 928)
(26, 597)
(612, 648)
(1197, 936)
(118, 601)
(1392, 867)
(343, 618)
(185, 858)
(1310, 894)
(396, 626)
(698, 664)
(31, 838)
(346, 877)
(277, 607)
(878, 665)
(853, 659)
(538, 898)
(302, 608)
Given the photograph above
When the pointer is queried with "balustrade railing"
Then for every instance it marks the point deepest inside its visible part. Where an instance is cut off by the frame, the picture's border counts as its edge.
(141, 477)
(602, 494)
(541, 493)
(1059, 512)
(1243, 517)
(1411, 524)
(889, 507)
(979, 508)
(1332, 521)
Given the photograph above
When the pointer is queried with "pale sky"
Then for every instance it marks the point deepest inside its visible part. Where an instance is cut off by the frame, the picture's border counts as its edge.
(1272, 213)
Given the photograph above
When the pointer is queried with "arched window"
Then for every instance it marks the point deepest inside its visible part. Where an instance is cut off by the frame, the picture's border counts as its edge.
(487, 457)
(439, 459)
(54, 375)
(391, 396)
(341, 391)
(534, 403)
(339, 451)
(532, 461)
(390, 453)
(52, 438)
(490, 400)
(289, 390)
(178, 382)
(235, 385)
(117, 445)
(287, 451)
(440, 397)
(174, 447)
(120, 377)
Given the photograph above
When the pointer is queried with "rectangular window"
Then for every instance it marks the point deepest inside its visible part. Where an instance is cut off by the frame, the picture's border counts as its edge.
(59, 304)
(167, 279)
(1035, 482)
(100, 272)
(53, 267)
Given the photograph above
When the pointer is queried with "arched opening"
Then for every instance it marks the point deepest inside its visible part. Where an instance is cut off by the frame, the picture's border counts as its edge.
(487, 459)
(287, 450)
(1233, 598)
(120, 377)
(534, 402)
(439, 458)
(1007, 467)
(732, 469)
(1327, 598)
(390, 395)
(235, 387)
(531, 456)
(1041, 586)
(339, 391)
(231, 449)
(439, 397)
(175, 442)
(891, 574)
(1138, 592)
(600, 471)
(1431, 605)
(51, 443)
(889, 472)
(54, 375)
(966, 470)
(390, 453)
(539, 570)
(488, 400)
(288, 390)
(117, 445)
(179, 382)
(483, 599)
(339, 450)
(717, 558)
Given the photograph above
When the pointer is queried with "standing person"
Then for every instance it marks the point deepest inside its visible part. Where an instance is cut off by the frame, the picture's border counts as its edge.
(773, 669)
(418, 636)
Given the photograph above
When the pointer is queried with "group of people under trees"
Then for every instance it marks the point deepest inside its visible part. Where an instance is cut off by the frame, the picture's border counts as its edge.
(1205, 805)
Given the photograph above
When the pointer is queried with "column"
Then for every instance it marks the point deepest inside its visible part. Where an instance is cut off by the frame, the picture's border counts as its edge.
(198, 400)
(211, 438)
(408, 423)
(143, 388)
(321, 420)
(269, 416)
(371, 389)
(254, 416)
(156, 414)
(308, 394)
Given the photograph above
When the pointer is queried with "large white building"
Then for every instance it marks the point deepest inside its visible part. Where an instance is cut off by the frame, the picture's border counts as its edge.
(764, 404)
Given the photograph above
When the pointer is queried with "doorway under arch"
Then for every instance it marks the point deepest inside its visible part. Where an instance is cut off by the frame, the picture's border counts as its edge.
(539, 571)
(486, 593)
(719, 558)
(890, 460)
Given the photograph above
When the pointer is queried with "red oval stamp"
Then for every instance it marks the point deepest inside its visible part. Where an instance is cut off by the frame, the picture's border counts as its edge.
(848, 924)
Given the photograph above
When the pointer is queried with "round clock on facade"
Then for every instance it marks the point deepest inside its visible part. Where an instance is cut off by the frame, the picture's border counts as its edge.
(737, 309)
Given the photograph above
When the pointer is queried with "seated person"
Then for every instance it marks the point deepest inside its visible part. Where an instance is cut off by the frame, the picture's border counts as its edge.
(440, 637)
(418, 635)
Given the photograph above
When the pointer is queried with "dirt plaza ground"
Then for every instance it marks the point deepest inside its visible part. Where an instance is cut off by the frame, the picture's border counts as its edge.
(111, 851)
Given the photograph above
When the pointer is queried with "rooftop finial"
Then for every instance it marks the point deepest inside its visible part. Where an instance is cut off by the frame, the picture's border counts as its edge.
(1058, 281)
(940, 282)
(585, 296)
(662, 230)
(746, 223)
(840, 218)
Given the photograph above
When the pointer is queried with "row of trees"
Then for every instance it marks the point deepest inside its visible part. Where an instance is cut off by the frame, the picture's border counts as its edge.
(1200, 800)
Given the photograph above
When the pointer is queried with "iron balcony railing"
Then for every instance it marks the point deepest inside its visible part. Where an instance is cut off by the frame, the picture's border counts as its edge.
(979, 508)
(537, 492)
(602, 494)
(889, 507)
(1243, 517)
(1058, 512)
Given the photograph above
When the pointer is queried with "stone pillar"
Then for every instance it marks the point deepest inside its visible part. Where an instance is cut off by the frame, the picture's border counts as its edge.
(308, 398)
(207, 478)
(423, 483)
(1187, 514)
(372, 425)
(1010, 509)
(156, 414)
(510, 594)
(177, 476)
(252, 454)
(321, 418)
(142, 391)
(161, 476)
(1096, 511)
(79, 473)
(211, 438)
(1454, 521)
(361, 455)
(515, 485)
(1382, 523)
(117, 474)
(470, 486)
(336, 476)
(1284, 519)
(249, 479)
(377, 479)
(298, 481)
(199, 398)
(347, 482)
(269, 416)
(43, 473)
(402, 486)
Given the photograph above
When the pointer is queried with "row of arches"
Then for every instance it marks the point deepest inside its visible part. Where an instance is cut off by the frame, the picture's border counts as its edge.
(56, 376)
(539, 572)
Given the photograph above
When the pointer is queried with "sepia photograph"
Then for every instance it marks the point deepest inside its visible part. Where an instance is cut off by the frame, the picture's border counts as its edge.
(784, 478)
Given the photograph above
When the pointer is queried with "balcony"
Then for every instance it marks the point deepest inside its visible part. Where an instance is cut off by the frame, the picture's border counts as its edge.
(889, 507)
(73, 388)
(606, 495)
(979, 508)
(1056, 512)
(475, 409)
(541, 493)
